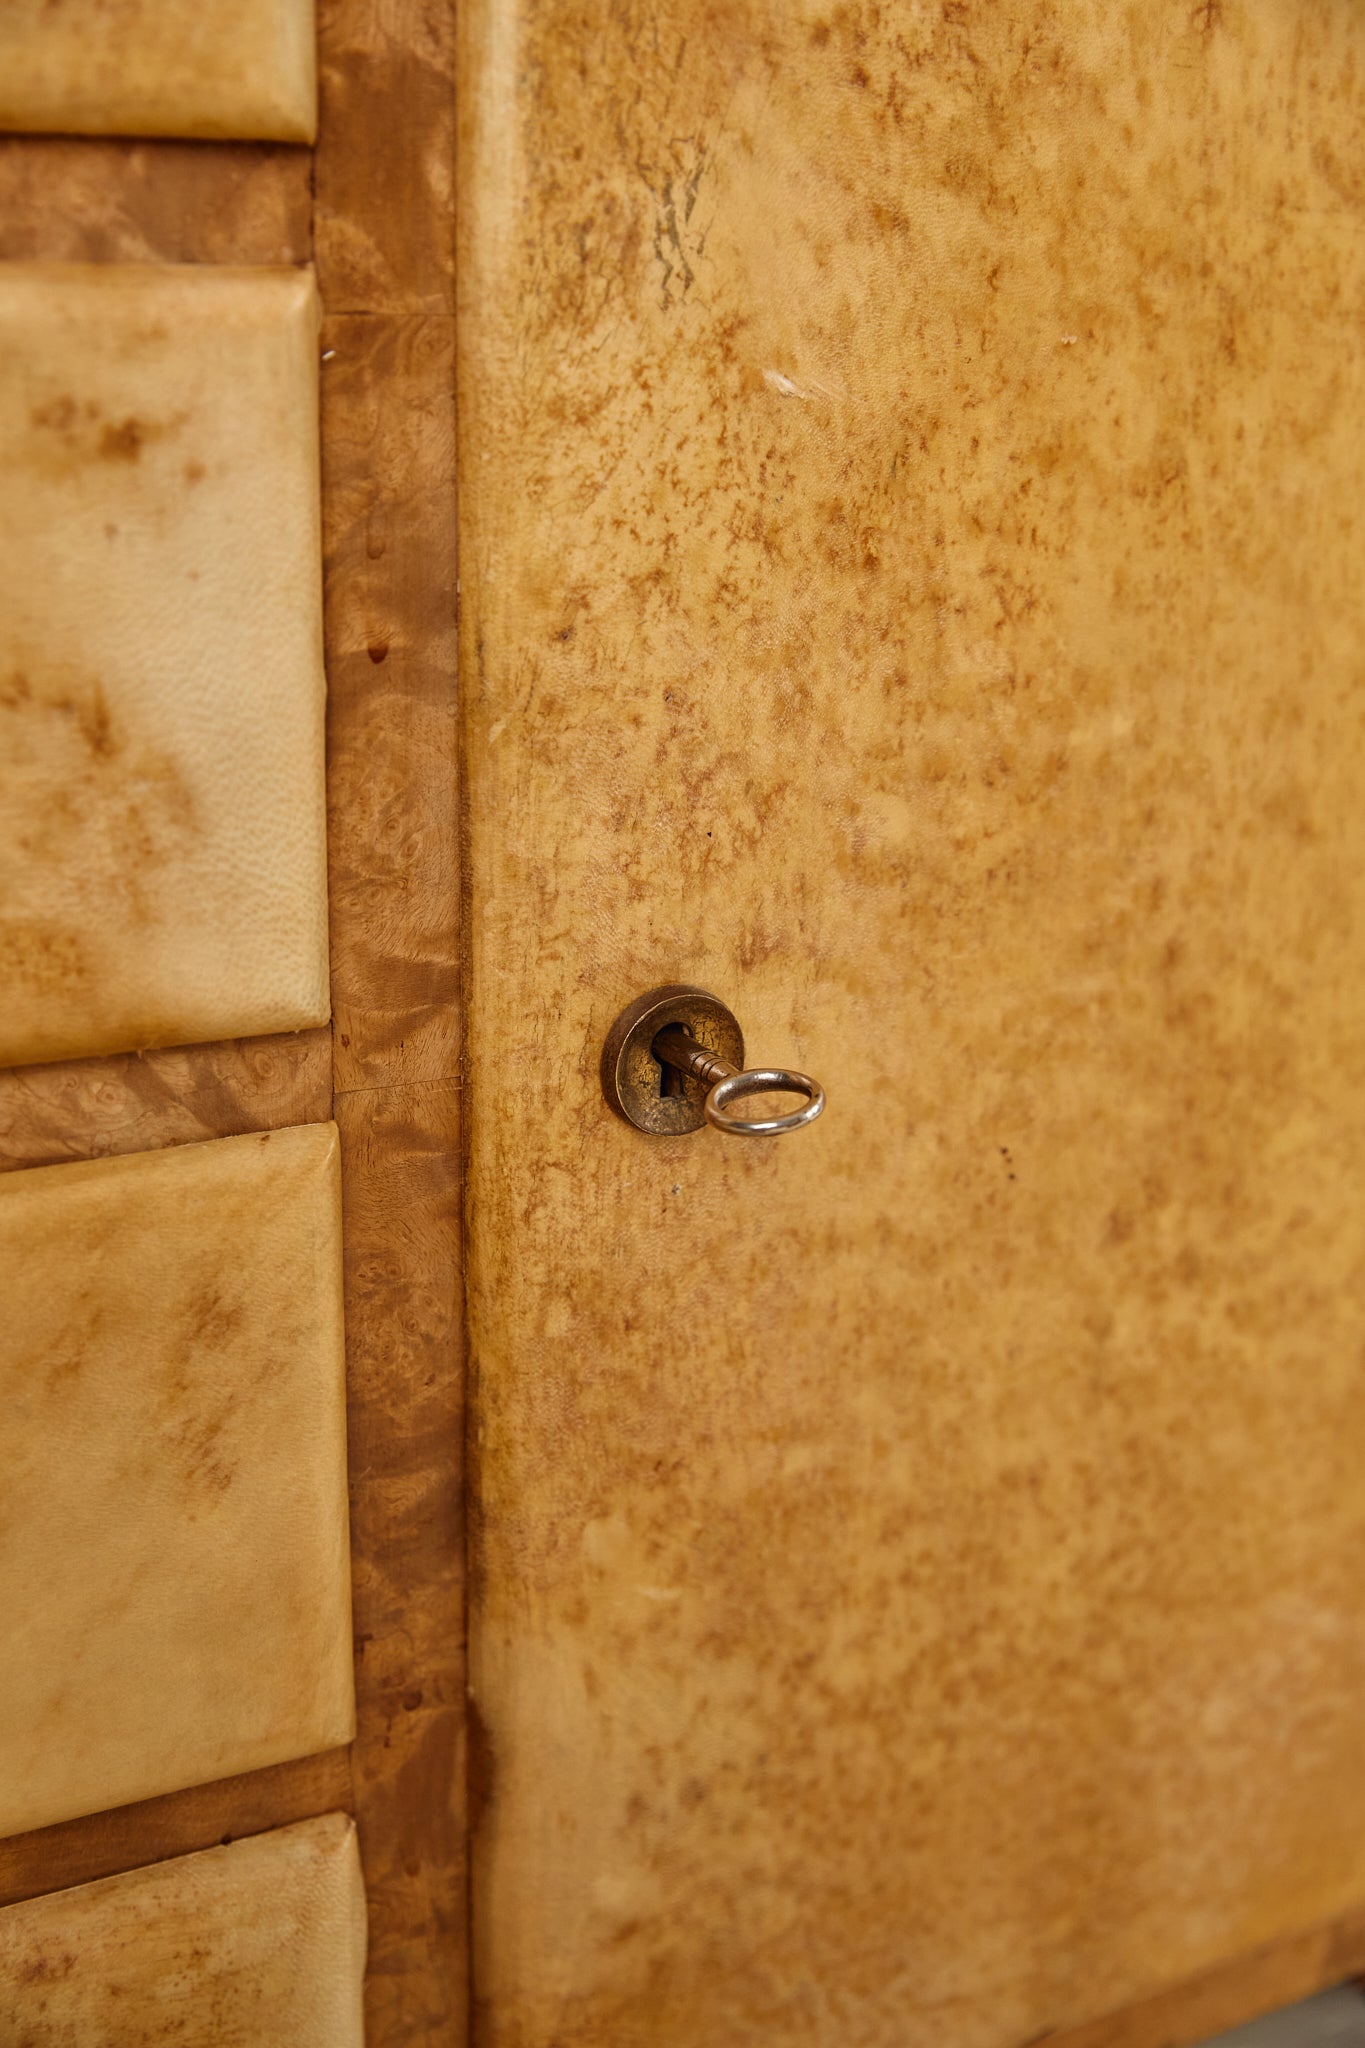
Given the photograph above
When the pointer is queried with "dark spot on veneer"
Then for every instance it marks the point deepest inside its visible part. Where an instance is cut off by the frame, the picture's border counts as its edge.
(59, 414)
(122, 442)
(43, 959)
(96, 726)
(47, 1968)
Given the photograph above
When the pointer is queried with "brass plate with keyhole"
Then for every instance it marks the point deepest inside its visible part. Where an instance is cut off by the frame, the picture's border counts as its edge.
(634, 1082)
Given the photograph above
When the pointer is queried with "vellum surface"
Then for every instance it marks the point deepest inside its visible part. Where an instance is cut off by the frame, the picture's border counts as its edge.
(255, 1945)
(231, 68)
(913, 528)
(173, 1541)
(162, 828)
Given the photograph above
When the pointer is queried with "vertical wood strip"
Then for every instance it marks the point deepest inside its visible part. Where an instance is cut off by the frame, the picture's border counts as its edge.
(383, 233)
(388, 463)
(400, 1182)
(384, 217)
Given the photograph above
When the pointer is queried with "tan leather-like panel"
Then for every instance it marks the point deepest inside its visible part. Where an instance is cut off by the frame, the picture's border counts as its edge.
(173, 1538)
(257, 1945)
(230, 68)
(162, 857)
(912, 562)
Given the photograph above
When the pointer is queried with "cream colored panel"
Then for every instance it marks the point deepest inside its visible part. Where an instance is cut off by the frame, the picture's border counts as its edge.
(913, 551)
(173, 1536)
(258, 1945)
(162, 873)
(239, 68)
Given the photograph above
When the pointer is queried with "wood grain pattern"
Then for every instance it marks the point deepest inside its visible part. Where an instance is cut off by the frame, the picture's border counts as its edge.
(388, 418)
(98, 1845)
(384, 222)
(86, 201)
(137, 1102)
(400, 1157)
(911, 541)
(384, 239)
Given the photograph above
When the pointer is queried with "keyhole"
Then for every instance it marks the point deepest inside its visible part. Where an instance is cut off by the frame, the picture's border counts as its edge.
(670, 1080)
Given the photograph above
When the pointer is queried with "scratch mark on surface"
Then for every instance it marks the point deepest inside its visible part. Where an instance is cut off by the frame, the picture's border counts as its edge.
(789, 387)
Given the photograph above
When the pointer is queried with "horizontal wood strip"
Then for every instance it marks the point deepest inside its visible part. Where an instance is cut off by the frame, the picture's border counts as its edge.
(138, 1102)
(98, 1844)
(81, 200)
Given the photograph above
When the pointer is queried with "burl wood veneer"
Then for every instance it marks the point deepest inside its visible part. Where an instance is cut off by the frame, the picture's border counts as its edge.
(174, 1535)
(230, 68)
(912, 552)
(257, 1945)
(162, 818)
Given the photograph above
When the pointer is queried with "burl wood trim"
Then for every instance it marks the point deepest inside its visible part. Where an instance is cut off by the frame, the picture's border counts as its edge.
(81, 200)
(384, 219)
(400, 1196)
(384, 229)
(388, 421)
(101, 1844)
(179, 1095)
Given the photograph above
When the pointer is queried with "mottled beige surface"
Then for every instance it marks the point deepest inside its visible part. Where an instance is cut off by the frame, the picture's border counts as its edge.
(257, 1945)
(232, 68)
(173, 1516)
(912, 558)
(162, 876)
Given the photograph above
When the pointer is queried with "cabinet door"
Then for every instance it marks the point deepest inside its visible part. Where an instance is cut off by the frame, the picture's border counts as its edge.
(911, 553)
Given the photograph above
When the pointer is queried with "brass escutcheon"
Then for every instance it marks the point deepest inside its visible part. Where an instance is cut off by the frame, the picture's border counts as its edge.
(674, 1060)
(642, 1089)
